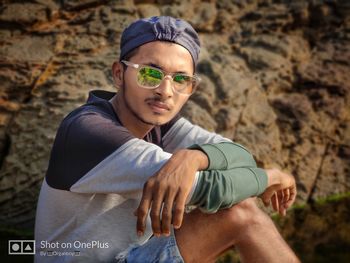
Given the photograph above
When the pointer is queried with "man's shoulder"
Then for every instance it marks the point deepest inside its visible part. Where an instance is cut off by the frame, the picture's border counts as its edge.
(96, 111)
(93, 122)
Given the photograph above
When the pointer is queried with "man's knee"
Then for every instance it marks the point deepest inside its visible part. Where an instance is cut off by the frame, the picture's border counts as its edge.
(245, 213)
(239, 218)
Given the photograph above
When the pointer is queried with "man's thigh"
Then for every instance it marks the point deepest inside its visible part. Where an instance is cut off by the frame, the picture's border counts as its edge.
(204, 237)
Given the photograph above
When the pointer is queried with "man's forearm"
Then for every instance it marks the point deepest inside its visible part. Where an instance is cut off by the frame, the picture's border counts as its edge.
(219, 189)
(226, 155)
(231, 177)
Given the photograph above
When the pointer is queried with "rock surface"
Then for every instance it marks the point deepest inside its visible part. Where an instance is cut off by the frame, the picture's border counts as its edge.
(276, 79)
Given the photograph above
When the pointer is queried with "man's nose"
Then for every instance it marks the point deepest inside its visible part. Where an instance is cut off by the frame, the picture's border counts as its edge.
(165, 89)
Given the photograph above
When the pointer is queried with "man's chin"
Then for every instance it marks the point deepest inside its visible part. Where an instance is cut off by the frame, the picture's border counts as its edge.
(157, 120)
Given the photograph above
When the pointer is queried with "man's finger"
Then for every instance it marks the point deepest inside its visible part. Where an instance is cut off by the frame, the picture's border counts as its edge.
(281, 207)
(179, 209)
(167, 212)
(267, 196)
(293, 194)
(155, 212)
(274, 200)
(280, 195)
(144, 206)
(286, 195)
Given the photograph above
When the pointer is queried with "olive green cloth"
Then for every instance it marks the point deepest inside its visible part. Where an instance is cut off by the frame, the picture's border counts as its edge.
(232, 176)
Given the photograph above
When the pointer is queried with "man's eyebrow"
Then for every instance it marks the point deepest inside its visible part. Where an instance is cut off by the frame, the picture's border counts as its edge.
(152, 64)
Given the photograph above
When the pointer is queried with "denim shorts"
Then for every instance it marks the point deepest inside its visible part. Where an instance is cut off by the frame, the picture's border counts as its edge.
(155, 250)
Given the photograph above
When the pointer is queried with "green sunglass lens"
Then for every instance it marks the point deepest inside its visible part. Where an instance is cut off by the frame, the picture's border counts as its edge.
(183, 84)
(182, 79)
(149, 77)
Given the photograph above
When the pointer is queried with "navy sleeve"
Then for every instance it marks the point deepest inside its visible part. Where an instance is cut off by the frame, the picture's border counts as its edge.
(82, 141)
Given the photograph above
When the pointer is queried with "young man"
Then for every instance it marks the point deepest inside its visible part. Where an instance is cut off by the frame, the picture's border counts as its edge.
(124, 156)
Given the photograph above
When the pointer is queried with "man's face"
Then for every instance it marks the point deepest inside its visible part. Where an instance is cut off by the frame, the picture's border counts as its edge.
(160, 105)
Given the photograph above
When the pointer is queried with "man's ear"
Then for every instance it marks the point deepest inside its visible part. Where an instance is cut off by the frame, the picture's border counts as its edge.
(117, 73)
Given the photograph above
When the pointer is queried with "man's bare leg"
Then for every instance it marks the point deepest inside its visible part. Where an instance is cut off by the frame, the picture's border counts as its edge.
(203, 237)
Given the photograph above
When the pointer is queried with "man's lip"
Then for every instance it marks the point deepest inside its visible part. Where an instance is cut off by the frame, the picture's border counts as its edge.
(160, 105)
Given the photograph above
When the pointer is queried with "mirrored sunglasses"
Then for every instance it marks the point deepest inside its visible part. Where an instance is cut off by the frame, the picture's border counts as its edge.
(149, 77)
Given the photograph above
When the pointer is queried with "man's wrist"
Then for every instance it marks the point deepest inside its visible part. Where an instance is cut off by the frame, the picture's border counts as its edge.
(201, 159)
(272, 177)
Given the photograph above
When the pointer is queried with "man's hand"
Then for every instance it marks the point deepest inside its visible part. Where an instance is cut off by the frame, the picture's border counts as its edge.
(281, 191)
(165, 193)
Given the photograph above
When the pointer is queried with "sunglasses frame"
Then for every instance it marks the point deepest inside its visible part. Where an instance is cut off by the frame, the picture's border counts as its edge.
(165, 74)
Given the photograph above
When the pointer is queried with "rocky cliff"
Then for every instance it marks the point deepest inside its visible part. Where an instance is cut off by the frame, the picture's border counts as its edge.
(276, 79)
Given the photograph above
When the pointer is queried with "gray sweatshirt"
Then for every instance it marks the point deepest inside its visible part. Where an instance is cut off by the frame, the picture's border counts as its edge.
(96, 174)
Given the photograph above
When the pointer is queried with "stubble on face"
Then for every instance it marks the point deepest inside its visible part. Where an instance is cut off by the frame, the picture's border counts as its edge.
(158, 106)
(134, 112)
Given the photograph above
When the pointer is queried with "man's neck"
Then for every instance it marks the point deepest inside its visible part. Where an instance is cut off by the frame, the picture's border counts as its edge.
(128, 119)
